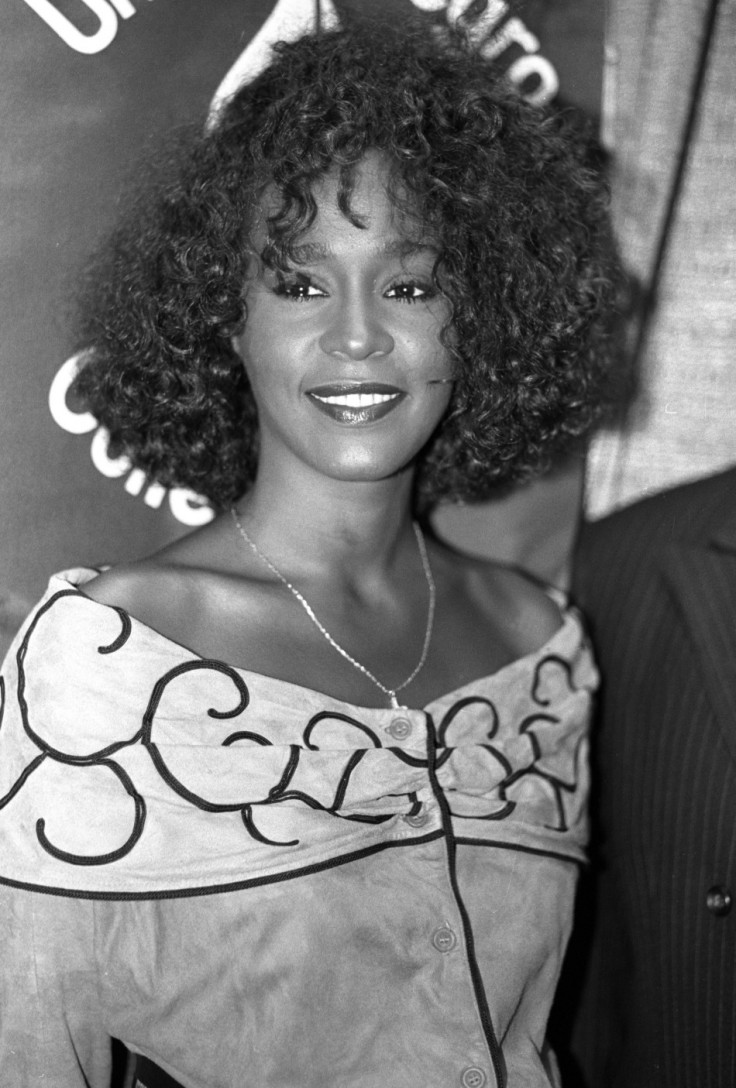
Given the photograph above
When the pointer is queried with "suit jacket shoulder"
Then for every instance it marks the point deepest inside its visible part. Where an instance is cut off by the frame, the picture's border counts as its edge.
(621, 548)
(688, 512)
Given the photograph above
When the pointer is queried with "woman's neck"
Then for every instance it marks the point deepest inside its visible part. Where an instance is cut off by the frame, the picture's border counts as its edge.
(353, 529)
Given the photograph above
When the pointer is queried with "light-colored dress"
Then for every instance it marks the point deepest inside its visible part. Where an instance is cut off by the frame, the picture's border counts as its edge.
(258, 886)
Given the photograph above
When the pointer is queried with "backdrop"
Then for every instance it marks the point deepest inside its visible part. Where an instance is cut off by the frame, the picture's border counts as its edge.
(86, 85)
(670, 120)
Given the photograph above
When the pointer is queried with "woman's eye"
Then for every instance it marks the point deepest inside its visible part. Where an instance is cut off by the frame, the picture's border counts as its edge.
(297, 290)
(410, 292)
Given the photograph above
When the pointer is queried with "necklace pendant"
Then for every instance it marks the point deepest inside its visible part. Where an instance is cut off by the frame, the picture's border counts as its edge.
(395, 704)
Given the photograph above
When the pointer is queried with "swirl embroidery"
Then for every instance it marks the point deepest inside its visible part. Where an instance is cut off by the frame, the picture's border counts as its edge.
(484, 764)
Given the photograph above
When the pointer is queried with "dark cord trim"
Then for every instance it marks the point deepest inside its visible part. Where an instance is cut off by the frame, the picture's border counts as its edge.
(234, 886)
(496, 1054)
(468, 840)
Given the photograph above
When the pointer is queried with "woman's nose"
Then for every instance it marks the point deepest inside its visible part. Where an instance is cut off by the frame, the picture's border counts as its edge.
(356, 331)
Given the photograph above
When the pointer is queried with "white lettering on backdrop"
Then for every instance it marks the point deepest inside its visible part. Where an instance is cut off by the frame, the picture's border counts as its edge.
(533, 75)
(495, 31)
(105, 11)
(186, 507)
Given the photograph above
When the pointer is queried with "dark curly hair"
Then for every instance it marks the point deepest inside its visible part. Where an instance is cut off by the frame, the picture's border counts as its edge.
(512, 196)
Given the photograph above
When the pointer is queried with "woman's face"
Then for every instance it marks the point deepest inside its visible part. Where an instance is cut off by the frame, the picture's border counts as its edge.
(343, 350)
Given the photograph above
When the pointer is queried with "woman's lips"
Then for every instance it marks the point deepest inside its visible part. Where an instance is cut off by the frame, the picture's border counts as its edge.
(356, 404)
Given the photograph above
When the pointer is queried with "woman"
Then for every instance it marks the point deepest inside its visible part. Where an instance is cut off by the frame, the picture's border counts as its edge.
(299, 799)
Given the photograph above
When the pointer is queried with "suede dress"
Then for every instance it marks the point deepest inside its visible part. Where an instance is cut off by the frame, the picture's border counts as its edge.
(255, 885)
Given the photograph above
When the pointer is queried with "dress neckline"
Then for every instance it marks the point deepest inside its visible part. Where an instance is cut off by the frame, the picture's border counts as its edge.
(74, 578)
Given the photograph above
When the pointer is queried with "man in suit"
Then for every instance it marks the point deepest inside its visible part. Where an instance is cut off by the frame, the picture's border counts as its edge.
(652, 967)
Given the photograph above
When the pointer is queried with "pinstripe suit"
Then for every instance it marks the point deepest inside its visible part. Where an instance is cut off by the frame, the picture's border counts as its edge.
(658, 1006)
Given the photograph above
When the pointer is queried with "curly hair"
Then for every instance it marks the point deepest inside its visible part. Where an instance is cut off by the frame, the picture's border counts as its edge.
(515, 202)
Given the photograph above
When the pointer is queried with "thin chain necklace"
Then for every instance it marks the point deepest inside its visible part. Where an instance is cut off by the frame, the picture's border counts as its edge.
(391, 692)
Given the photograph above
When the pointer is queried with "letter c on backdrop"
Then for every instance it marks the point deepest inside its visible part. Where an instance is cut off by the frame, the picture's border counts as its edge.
(61, 413)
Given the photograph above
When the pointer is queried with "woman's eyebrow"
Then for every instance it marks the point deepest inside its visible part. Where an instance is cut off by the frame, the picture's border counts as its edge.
(314, 252)
(407, 247)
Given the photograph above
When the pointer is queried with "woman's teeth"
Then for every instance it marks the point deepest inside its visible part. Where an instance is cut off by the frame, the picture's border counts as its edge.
(357, 400)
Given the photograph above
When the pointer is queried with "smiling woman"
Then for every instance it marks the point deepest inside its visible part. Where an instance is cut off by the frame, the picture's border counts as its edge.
(510, 198)
(306, 778)
(348, 334)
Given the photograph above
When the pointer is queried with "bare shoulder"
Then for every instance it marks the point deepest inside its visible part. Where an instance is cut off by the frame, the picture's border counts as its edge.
(124, 585)
(163, 588)
(512, 601)
(149, 591)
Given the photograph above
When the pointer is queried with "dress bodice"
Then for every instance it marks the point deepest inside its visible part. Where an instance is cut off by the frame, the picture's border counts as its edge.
(313, 862)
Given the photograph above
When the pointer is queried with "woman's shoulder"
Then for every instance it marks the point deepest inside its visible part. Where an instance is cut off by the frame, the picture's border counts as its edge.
(523, 611)
(63, 611)
(166, 590)
(519, 592)
(65, 623)
(91, 623)
(531, 602)
(142, 587)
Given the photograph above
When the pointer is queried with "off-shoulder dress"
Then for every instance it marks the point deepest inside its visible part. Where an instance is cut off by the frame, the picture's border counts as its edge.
(254, 885)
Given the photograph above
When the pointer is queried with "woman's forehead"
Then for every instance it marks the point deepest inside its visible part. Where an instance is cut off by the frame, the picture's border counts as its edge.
(376, 202)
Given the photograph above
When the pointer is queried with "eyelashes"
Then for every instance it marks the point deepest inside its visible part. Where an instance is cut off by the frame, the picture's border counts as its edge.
(301, 288)
(297, 288)
(411, 291)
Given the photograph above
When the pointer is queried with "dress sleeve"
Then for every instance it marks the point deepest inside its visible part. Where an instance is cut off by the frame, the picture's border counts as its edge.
(51, 1030)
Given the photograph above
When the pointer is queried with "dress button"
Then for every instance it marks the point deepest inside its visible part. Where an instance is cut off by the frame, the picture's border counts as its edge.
(400, 728)
(718, 900)
(417, 819)
(444, 939)
(473, 1077)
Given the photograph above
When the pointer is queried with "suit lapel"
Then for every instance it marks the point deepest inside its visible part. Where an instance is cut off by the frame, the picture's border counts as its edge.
(703, 578)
